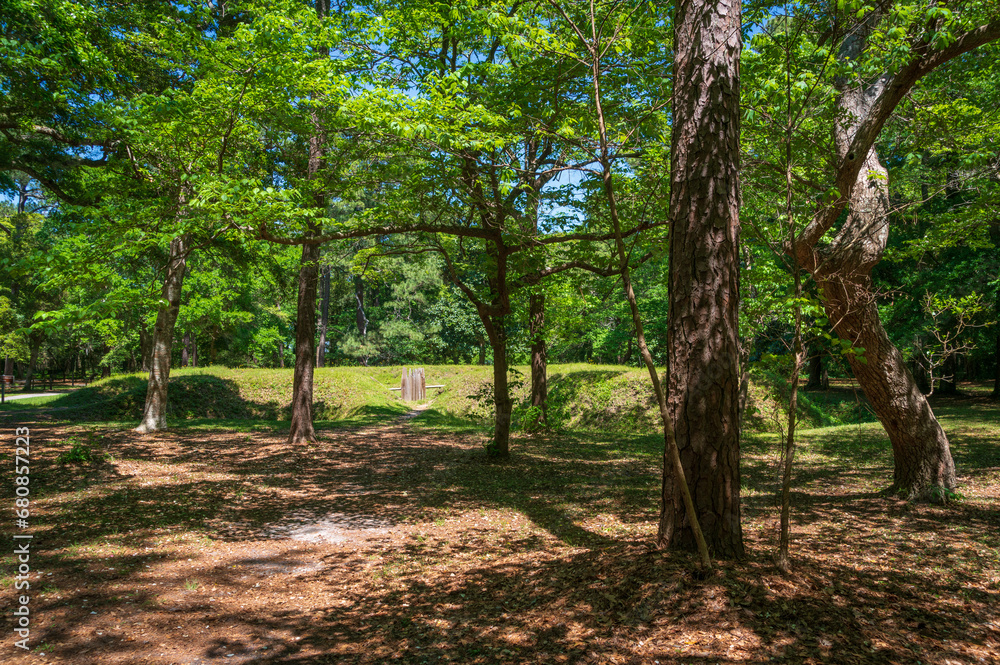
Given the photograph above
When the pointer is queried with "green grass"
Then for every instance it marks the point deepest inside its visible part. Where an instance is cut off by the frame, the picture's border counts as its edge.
(600, 398)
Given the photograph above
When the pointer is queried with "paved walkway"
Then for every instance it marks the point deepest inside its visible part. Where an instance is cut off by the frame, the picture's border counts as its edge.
(20, 396)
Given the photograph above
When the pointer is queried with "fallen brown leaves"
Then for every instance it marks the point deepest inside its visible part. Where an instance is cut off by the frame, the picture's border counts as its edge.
(167, 554)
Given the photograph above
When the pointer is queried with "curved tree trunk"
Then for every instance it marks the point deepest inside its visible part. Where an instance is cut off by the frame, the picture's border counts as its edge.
(923, 462)
(302, 430)
(702, 340)
(842, 271)
(922, 457)
(154, 414)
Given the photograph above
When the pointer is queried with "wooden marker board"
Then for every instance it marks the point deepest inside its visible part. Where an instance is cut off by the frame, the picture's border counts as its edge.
(413, 385)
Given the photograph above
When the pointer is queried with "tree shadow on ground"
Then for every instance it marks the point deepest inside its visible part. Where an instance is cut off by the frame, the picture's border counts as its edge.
(489, 563)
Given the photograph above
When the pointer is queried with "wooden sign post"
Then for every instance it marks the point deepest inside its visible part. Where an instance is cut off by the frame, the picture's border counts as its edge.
(412, 385)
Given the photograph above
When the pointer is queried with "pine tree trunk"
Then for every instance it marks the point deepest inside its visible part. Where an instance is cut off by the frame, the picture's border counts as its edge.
(324, 316)
(154, 415)
(536, 323)
(702, 341)
(305, 348)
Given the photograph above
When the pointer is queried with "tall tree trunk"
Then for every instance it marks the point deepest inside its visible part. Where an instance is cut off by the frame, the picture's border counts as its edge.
(305, 348)
(995, 237)
(996, 359)
(627, 358)
(536, 324)
(503, 404)
(948, 382)
(301, 430)
(702, 341)
(818, 378)
(324, 316)
(359, 313)
(186, 349)
(146, 348)
(34, 345)
(154, 415)
(923, 463)
(922, 457)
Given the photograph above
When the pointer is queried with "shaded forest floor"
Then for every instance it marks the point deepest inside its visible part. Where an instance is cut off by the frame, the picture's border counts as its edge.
(399, 542)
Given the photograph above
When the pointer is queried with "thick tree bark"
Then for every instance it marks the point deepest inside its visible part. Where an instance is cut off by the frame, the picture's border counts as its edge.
(154, 415)
(923, 464)
(502, 403)
(536, 324)
(305, 348)
(922, 456)
(703, 346)
(924, 467)
(324, 316)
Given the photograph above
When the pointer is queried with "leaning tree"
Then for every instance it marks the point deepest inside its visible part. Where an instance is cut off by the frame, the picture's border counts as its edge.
(881, 53)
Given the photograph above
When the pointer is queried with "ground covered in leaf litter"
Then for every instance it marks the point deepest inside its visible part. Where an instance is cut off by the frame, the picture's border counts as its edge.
(403, 544)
